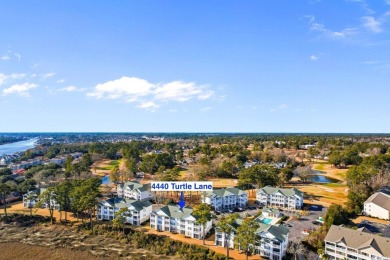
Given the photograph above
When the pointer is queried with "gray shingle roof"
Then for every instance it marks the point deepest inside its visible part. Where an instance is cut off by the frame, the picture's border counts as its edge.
(286, 192)
(358, 239)
(380, 199)
(136, 186)
(175, 212)
(226, 192)
(270, 210)
(280, 232)
(125, 203)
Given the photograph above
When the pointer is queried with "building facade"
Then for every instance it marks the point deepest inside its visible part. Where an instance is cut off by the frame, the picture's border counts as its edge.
(223, 199)
(31, 198)
(175, 220)
(378, 204)
(344, 243)
(278, 197)
(272, 243)
(134, 190)
(137, 213)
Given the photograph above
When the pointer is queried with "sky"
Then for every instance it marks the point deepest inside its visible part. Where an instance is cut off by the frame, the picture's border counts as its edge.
(195, 66)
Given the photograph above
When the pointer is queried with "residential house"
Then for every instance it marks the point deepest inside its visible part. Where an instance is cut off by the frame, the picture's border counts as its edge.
(346, 243)
(229, 198)
(278, 197)
(173, 219)
(272, 243)
(378, 204)
(135, 190)
(137, 213)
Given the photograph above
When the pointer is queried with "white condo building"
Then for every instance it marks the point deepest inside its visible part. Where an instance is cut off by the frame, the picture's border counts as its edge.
(31, 198)
(378, 204)
(272, 243)
(134, 190)
(278, 197)
(173, 219)
(228, 198)
(344, 243)
(138, 211)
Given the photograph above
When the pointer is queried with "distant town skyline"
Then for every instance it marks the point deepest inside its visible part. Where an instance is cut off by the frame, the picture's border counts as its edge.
(195, 66)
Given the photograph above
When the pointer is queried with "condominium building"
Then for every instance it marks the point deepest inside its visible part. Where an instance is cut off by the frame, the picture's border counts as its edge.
(229, 198)
(278, 197)
(137, 211)
(272, 243)
(378, 204)
(345, 243)
(135, 190)
(31, 198)
(173, 219)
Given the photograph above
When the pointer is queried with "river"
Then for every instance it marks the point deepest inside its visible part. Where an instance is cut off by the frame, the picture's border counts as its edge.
(21, 146)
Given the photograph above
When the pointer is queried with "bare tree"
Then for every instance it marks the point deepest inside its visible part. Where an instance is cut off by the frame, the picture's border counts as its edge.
(304, 172)
(296, 248)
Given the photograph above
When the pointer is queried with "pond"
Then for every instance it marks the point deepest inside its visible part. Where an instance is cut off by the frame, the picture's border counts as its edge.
(321, 178)
(106, 179)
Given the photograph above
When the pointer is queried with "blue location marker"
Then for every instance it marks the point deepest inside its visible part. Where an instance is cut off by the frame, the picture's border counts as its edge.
(182, 203)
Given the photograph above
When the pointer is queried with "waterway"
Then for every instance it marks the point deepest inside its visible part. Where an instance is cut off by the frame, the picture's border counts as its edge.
(21, 146)
(321, 178)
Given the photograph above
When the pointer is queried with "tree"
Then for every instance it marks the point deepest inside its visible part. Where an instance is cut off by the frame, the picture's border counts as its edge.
(246, 236)
(120, 219)
(285, 175)
(31, 197)
(47, 198)
(114, 174)
(4, 192)
(26, 186)
(304, 172)
(202, 213)
(62, 192)
(225, 225)
(260, 174)
(296, 248)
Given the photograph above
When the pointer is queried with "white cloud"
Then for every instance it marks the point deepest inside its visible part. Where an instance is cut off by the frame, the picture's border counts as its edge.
(48, 75)
(5, 58)
(60, 81)
(325, 32)
(313, 58)
(281, 107)
(71, 89)
(372, 24)
(13, 76)
(19, 89)
(149, 95)
(150, 106)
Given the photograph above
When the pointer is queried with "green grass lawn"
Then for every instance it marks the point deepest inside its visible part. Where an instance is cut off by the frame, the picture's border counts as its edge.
(320, 167)
(334, 185)
(114, 163)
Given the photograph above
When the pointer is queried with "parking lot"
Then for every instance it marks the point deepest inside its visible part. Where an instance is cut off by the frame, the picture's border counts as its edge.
(305, 222)
(376, 228)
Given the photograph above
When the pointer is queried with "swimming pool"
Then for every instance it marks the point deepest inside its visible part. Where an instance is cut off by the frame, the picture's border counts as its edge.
(266, 220)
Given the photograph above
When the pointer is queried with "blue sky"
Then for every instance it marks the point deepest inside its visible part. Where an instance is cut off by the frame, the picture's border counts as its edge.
(195, 66)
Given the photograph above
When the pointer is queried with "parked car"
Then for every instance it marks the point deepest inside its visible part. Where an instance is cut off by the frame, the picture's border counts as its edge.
(230, 211)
